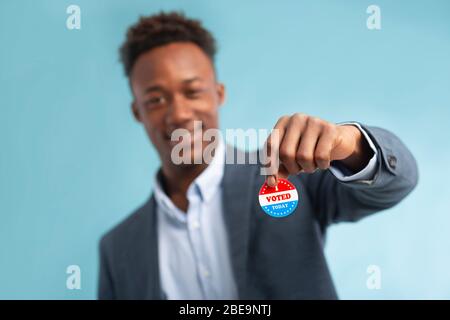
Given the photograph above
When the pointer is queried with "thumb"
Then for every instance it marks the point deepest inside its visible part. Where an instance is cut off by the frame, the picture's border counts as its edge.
(272, 180)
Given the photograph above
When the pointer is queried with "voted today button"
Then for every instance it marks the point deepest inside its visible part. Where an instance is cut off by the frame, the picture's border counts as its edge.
(279, 201)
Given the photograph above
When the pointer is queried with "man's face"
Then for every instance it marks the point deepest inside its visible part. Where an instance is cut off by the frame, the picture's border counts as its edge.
(173, 86)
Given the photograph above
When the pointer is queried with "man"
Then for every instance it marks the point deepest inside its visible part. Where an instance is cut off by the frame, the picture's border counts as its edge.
(202, 233)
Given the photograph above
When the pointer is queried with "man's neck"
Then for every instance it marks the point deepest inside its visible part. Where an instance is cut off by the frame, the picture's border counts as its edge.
(177, 179)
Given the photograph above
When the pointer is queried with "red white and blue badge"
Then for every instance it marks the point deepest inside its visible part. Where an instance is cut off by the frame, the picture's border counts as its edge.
(279, 201)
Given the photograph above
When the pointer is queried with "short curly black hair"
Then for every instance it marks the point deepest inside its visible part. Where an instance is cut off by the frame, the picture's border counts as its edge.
(160, 29)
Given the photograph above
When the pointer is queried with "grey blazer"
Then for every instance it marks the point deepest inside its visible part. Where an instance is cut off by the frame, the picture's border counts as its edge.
(271, 258)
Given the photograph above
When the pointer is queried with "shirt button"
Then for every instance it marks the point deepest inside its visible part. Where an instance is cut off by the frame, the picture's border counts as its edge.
(195, 225)
(206, 273)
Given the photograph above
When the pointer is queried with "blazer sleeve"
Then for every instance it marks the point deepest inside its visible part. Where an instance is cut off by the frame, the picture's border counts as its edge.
(395, 177)
(105, 284)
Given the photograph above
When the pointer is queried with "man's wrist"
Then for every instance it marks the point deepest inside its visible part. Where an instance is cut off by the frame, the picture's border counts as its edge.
(362, 152)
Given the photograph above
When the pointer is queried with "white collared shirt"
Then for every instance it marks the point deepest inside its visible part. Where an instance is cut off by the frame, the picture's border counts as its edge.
(194, 259)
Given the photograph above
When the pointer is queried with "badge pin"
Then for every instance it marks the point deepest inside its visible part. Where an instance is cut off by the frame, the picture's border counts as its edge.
(279, 201)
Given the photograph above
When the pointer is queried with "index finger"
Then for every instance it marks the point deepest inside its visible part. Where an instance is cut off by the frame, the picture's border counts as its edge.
(272, 147)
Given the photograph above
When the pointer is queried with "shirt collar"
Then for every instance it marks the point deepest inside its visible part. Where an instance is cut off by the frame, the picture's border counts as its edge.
(209, 180)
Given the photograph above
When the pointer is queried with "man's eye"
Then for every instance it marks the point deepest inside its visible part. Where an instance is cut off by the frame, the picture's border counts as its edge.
(155, 100)
(194, 93)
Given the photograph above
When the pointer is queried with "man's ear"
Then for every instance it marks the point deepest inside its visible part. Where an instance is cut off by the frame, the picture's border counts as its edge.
(135, 111)
(221, 93)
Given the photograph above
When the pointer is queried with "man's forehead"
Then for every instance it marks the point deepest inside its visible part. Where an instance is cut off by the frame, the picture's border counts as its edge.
(181, 60)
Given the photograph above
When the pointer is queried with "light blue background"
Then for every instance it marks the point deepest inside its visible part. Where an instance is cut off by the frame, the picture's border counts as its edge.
(73, 162)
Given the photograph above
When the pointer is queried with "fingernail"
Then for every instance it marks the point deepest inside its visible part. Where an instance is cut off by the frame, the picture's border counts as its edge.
(271, 181)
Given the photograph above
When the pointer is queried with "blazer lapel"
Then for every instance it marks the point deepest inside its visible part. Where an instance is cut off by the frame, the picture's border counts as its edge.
(237, 198)
(146, 277)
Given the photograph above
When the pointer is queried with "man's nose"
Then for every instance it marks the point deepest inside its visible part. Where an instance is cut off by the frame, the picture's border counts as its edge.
(178, 113)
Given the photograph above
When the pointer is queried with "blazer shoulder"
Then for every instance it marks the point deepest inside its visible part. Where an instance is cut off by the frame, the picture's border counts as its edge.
(124, 232)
